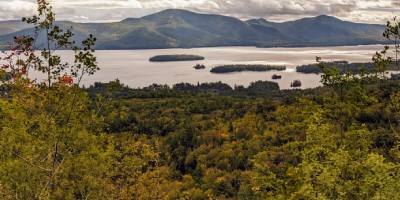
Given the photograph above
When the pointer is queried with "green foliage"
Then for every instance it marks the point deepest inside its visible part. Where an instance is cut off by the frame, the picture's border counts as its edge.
(392, 33)
(59, 141)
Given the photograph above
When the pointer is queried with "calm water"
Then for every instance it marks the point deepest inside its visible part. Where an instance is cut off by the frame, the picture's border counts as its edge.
(133, 68)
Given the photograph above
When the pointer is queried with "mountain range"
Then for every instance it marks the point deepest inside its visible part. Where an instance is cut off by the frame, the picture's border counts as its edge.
(174, 28)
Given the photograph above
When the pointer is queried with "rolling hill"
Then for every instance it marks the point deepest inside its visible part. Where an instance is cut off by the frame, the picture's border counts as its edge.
(174, 28)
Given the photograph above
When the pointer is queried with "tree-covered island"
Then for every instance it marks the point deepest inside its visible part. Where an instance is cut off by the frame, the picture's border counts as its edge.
(342, 67)
(177, 57)
(244, 67)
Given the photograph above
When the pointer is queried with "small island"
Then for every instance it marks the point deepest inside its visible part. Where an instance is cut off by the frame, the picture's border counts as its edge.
(199, 66)
(241, 68)
(276, 76)
(178, 57)
(295, 84)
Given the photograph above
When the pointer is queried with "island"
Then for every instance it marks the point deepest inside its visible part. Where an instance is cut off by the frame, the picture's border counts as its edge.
(342, 67)
(276, 76)
(199, 66)
(295, 84)
(241, 68)
(178, 57)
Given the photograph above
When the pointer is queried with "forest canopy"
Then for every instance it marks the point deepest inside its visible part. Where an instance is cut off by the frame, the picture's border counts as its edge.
(61, 141)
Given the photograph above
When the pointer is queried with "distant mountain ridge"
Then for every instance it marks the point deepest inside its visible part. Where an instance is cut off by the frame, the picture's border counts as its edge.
(174, 28)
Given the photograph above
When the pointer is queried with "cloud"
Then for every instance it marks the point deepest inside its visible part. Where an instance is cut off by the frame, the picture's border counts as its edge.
(12, 9)
(373, 11)
(282, 10)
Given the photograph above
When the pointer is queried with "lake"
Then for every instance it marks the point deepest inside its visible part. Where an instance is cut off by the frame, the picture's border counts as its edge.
(132, 67)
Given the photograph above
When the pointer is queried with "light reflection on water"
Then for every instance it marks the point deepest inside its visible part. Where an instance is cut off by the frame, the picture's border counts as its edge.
(132, 67)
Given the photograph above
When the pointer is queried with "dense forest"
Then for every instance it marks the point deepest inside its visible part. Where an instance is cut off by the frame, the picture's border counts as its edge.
(205, 141)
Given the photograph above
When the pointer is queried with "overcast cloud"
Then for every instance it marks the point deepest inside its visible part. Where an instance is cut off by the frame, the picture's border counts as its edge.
(370, 11)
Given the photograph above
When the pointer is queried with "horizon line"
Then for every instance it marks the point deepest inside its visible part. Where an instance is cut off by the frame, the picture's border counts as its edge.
(200, 13)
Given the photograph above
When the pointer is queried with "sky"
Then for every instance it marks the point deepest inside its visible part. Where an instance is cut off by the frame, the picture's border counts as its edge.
(366, 11)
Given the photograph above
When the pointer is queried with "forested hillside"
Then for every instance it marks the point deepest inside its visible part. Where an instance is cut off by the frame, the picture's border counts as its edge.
(174, 28)
(206, 141)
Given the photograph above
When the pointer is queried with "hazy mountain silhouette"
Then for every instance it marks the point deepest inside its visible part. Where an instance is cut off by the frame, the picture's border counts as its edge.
(184, 29)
